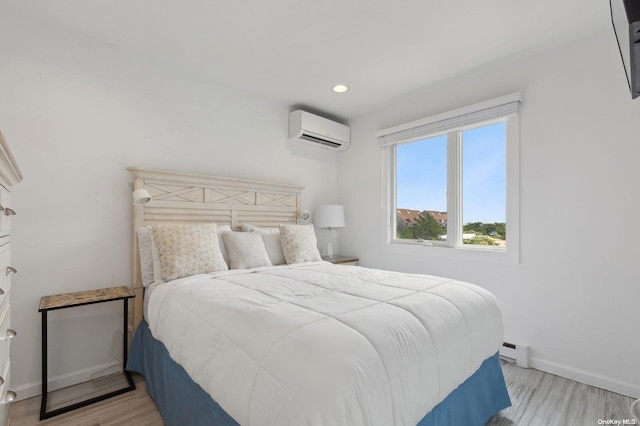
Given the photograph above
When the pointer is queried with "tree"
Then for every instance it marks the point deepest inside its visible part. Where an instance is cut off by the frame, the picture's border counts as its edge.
(405, 233)
(427, 227)
(501, 229)
(473, 227)
(481, 241)
(496, 229)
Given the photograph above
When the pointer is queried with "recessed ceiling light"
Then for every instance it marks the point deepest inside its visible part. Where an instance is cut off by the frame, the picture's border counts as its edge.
(340, 88)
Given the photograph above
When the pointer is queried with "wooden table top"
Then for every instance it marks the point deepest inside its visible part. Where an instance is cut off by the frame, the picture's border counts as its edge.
(340, 259)
(66, 300)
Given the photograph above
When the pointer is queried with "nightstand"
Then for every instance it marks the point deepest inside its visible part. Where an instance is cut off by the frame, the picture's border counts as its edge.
(341, 260)
(68, 300)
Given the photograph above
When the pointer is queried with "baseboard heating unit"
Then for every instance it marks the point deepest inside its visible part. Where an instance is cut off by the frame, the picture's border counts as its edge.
(515, 354)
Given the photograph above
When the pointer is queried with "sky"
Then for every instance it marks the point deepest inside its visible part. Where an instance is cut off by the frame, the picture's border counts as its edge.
(422, 174)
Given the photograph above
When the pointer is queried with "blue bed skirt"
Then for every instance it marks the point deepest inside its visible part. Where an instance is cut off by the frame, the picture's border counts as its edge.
(182, 402)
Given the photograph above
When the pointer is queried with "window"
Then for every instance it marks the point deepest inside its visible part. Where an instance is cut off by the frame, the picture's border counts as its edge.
(452, 179)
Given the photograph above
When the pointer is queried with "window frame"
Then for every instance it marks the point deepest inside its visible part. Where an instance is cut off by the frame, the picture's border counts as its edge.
(510, 254)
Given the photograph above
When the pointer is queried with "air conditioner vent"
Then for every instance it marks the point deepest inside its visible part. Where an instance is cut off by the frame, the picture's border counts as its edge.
(325, 142)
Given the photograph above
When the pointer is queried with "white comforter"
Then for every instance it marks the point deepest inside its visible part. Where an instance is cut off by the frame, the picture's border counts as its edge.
(320, 344)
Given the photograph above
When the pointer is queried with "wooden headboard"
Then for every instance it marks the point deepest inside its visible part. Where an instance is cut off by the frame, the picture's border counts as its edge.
(195, 198)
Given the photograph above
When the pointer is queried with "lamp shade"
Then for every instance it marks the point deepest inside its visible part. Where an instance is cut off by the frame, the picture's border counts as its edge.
(141, 197)
(329, 216)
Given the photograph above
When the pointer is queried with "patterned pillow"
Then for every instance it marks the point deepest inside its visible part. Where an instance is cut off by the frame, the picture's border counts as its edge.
(299, 243)
(246, 250)
(188, 250)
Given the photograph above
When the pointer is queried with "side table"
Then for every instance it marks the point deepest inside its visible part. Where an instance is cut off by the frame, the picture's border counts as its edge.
(341, 260)
(68, 300)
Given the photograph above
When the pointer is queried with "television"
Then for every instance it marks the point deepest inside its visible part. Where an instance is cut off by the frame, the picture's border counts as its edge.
(625, 16)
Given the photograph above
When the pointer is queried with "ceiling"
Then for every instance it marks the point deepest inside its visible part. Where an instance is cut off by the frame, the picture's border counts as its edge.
(294, 51)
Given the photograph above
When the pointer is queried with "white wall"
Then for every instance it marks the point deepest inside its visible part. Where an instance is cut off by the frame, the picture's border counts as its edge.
(574, 296)
(76, 112)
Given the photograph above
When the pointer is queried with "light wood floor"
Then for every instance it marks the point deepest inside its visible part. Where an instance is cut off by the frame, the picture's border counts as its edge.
(131, 408)
(538, 399)
(544, 399)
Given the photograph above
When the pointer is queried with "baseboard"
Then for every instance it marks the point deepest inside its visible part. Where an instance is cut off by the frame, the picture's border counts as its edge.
(35, 388)
(617, 386)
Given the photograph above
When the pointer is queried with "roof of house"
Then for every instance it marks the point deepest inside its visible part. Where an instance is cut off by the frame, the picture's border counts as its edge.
(439, 216)
(409, 216)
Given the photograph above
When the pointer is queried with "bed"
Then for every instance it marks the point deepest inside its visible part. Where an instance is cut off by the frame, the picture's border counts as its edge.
(304, 343)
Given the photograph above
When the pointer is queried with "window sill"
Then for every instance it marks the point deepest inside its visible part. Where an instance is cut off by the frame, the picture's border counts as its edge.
(439, 251)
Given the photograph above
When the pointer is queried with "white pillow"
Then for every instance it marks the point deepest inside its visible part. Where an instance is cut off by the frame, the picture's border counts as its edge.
(150, 267)
(299, 243)
(261, 229)
(145, 240)
(246, 250)
(219, 230)
(271, 237)
(188, 249)
(273, 244)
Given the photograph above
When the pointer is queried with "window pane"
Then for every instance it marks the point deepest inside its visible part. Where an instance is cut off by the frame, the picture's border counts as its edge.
(421, 189)
(484, 185)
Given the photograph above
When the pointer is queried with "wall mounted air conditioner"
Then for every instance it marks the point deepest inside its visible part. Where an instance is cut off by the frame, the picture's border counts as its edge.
(318, 131)
(625, 16)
